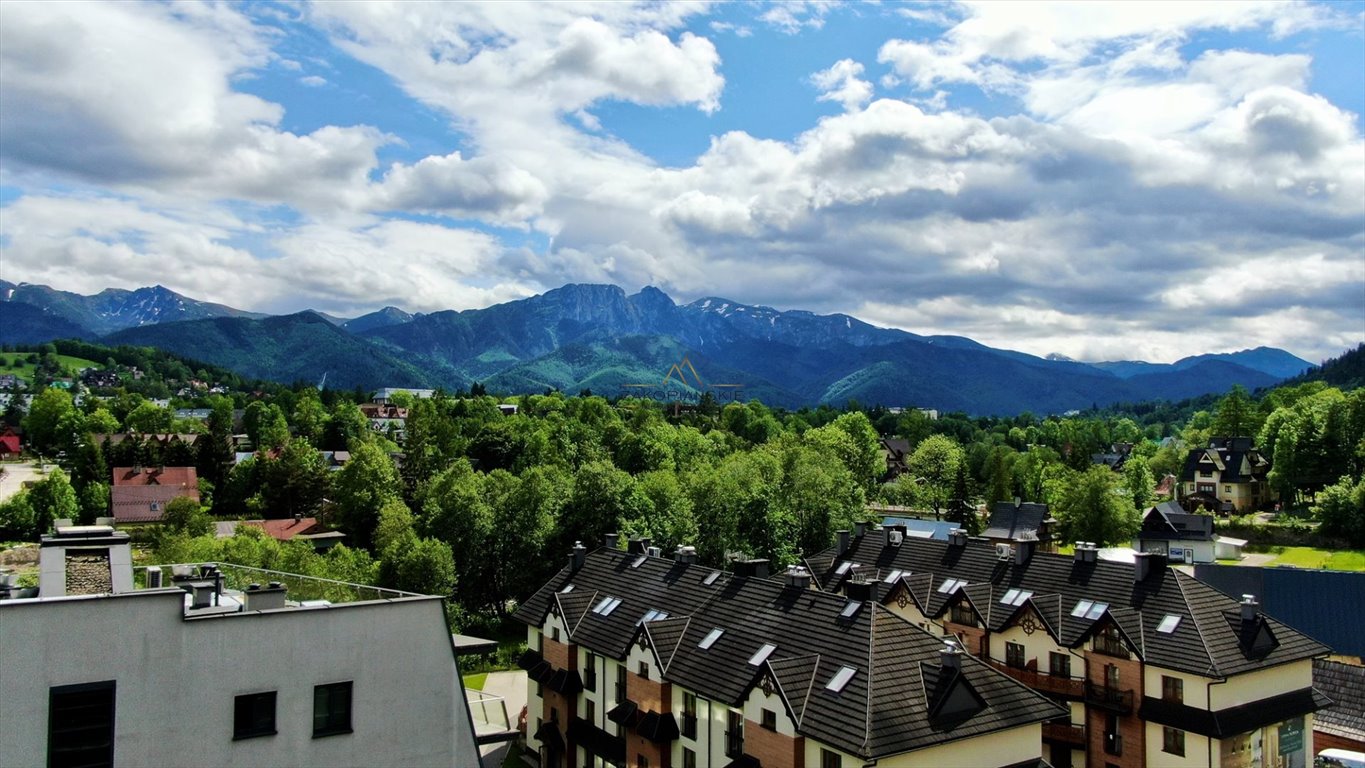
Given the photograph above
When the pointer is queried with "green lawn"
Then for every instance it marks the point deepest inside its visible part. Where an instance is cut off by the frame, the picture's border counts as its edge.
(1310, 557)
(475, 682)
(25, 370)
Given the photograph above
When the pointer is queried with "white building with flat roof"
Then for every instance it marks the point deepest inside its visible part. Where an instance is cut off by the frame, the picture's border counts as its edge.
(97, 672)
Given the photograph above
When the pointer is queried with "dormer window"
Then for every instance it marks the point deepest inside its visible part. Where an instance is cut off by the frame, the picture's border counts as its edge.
(962, 613)
(1109, 642)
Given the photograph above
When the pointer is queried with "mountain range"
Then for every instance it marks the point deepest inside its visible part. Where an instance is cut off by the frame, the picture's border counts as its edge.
(599, 337)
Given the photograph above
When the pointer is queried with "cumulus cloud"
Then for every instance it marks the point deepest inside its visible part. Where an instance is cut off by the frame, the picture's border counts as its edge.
(841, 83)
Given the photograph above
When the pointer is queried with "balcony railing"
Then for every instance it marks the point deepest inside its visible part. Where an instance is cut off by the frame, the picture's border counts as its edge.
(1112, 699)
(300, 587)
(1065, 733)
(1058, 686)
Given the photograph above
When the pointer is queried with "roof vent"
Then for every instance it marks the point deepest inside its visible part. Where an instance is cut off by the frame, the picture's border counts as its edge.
(841, 542)
(957, 538)
(687, 555)
(1249, 606)
(638, 546)
(859, 528)
(1086, 552)
(951, 655)
(610, 541)
(895, 534)
(577, 556)
(797, 576)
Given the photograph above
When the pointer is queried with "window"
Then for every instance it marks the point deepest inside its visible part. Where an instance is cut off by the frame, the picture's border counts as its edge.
(1108, 641)
(829, 759)
(770, 719)
(331, 709)
(893, 575)
(761, 654)
(589, 672)
(734, 734)
(710, 639)
(644, 670)
(1059, 664)
(961, 613)
(1111, 676)
(253, 714)
(711, 578)
(836, 684)
(1014, 655)
(1226, 489)
(689, 758)
(620, 683)
(1168, 624)
(689, 724)
(554, 634)
(606, 605)
(1173, 741)
(1113, 742)
(850, 608)
(1016, 597)
(1172, 689)
(641, 761)
(589, 710)
(1205, 473)
(80, 725)
(951, 585)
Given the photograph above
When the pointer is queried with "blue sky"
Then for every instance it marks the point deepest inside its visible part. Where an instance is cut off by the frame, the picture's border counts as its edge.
(1093, 179)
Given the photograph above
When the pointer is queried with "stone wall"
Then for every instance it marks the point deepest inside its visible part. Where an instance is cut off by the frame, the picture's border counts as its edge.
(88, 573)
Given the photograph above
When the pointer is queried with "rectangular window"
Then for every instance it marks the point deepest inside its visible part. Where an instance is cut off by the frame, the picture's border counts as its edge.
(590, 710)
(1172, 689)
(1059, 664)
(961, 613)
(689, 723)
(1173, 741)
(1111, 676)
(590, 672)
(734, 734)
(644, 670)
(554, 634)
(1109, 642)
(1113, 742)
(80, 725)
(1227, 489)
(331, 709)
(253, 714)
(1014, 655)
(829, 759)
(770, 719)
(641, 761)
(689, 758)
(620, 683)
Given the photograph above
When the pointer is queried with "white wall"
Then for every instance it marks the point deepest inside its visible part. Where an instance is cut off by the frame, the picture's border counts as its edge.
(1262, 684)
(177, 678)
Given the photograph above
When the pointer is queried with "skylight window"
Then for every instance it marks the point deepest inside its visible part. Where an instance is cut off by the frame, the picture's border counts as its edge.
(566, 590)
(762, 654)
(892, 576)
(1016, 597)
(1081, 608)
(606, 605)
(850, 609)
(711, 578)
(639, 561)
(1168, 624)
(840, 679)
(710, 639)
(1097, 610)
(950, 586)
(654, 614)
(843, 568)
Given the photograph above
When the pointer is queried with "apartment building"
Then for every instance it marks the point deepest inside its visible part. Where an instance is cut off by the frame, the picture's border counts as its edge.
(98, 672)
(1154, 667)
(638, 659)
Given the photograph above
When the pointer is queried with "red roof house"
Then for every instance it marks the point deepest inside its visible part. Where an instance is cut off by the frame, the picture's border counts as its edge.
(141, 494)
(10, 445)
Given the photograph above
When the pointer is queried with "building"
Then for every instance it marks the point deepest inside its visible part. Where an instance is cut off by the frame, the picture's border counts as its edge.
(11, 444)
(1012, 520)
(1156, 668)
(386, 394)
(99, 673)
(1327, 605)
(640, 659)
(1342, 725)
(896, 451)
(1228, 476)
(1184, 537)
(140, 495)
(298, 527)
(1114, 458)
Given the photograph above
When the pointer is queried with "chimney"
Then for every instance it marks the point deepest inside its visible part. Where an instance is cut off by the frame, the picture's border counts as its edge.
(1142, 566)
(957, 538)
(298, 517)
(1249, 606)
(951, 655)
(841, 542)
(686, 555)
(1024, 546)
(859, 528)
(638, 545)
(610, 540)
(757, 568)
(576, 556)
(862, 591)
(797, 576)
(258, 598)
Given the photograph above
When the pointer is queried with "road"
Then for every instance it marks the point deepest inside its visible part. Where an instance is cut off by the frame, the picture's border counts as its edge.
(15, 476)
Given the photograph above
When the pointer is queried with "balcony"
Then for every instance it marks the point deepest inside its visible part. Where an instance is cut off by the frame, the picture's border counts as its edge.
(1112, 699)
(1064, 733)
(1057, 686)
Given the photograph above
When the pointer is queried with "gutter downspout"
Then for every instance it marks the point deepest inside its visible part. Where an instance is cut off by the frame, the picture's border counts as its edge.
(1208, 704)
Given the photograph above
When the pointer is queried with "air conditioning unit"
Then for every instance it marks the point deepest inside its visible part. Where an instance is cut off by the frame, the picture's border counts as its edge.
(1003, 551)
(895, 537)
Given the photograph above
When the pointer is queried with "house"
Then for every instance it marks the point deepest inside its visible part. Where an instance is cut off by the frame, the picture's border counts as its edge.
(921, 529)
(1155, 667)
(640, 659)
(97, 379)
(200, 668)
(1342, 725)
(140, 494)
(1184, 537)
(11, 444)
(1114, 458)
(1165, 487)
(1012, 520)
(896, 451)
(1228, 476)
(301, 528)
(9, 381)
(386, 418)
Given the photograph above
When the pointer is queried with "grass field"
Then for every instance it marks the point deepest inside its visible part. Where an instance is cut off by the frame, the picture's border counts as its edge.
(1310, 557)
(475, 682)
(25, 369)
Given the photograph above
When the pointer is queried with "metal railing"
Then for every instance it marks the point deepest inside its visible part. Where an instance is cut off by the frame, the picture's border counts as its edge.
(300, 587)
(1065, 733)
(489, 713)
(1061, 686)
(1113, 699)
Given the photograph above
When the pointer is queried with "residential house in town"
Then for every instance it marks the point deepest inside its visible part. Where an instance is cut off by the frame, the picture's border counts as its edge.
(201, 668)
(640, 659)
(140, 494)
(1011, 520)
(100, 379)
(896, 451)
(1114, 458)
(386, 419)
(11, 444)
(1155, 667)
(1228, 476)
(9, 381)
(1342, 725)
(1184, 537)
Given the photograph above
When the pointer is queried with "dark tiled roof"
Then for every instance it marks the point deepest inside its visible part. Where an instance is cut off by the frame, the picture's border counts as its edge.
(1234, 457)
(1169, 521)
(1008, 521)
(1326, 605)
(1344, 684)
(1205, 641)
(880, 711)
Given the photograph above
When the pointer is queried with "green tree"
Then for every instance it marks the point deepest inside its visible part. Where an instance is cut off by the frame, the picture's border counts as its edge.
(53, 498)
(395, 524)
(1091, 506)
(424, 566)
(310, 417)
(935, 462)
(94, 501)
(184, 515)
(18, 522)
(296, 481)
(1137, 478)
(148, 418)
(42, 427)
(361, 488)
(1237, 415)
(1341, 508)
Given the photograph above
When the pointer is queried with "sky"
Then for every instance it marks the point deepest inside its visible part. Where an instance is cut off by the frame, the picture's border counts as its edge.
(1101, 180)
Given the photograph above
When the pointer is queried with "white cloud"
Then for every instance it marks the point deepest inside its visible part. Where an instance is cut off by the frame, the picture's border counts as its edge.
(313, 81)
(841, 83)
